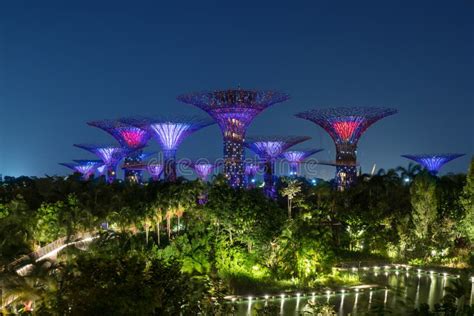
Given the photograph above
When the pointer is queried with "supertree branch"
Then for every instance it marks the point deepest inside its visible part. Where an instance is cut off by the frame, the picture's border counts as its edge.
(127, 135)
(433, 162)
(269, 149)
(170, 133)
(110, 156)
(234, 110)
(346, 124)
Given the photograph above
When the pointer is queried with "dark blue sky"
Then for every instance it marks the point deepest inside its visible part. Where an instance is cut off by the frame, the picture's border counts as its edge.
(64, 63)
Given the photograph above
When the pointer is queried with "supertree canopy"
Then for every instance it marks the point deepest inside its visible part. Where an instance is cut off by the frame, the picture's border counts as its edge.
(346, 125)
(296, 157)
(110, 156)
(128, 136)
(234, 110)
(155, 170)
(433, 162)
(202, 168)
(269, 149)
(85, 167)
(170, 133)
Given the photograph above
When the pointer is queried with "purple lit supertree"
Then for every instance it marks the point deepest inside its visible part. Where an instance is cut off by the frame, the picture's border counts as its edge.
(296, 157)
(251, 170)
(85, 167)
(110, 156)
(234, 110)
(269, 149)
(346, 125)
(202, 168)
(170, 133)
(155, 170)
(131, 137)
(433, 162)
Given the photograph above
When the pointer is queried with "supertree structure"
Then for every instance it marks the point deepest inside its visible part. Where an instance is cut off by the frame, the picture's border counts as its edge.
(296, 157)
(269, 149)
(85, 167)
(128, 136)
(433, 162)
(155, 170)
(170, 133)
(346, 125)
(234, 110)
(251, 169)
(110, 156)
(202, 168)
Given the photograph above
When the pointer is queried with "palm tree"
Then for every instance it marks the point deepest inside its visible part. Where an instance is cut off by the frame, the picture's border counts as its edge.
(410, 172)
(290, 191)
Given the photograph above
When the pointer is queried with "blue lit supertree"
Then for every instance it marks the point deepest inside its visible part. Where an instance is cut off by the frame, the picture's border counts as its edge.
(269, 149)
(85, 167)
(170, 133)
(296, 157)
(346, 125)
(131, 137)
(433, 162)
(110, 156)
(234, 110)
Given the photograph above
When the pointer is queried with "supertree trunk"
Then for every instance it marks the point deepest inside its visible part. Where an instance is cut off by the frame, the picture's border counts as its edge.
(233, 165)
(170, 165)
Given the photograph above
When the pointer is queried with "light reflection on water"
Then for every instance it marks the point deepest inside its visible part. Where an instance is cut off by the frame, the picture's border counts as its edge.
(404, 292)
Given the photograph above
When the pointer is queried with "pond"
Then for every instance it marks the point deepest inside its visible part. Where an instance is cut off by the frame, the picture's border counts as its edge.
(396, 290)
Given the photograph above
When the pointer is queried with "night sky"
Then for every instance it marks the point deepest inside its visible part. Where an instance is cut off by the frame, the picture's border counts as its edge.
(64, 63)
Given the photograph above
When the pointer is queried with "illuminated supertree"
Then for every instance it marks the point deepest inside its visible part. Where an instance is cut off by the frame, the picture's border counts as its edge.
(155, 170)
(85, 167)
(251, 170)
(296, 157)
(433, 162)
(170, 133)
(234, 110)
(128, 136)
(110, 156)
(346, 125)
(269, 149)
(202, 169)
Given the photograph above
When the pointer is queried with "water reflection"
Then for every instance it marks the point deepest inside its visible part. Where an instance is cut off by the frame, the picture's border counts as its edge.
(399, 292)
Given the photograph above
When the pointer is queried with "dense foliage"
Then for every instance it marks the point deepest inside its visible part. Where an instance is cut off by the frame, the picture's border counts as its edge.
(155, 243)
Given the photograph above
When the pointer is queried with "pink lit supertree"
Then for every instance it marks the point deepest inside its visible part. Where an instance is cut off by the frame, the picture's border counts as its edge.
(85, 167)
(110, 156)
(234, 110)
(346, 125)
(296, 157)
(433, 162)
(128, 136)
(170, 133)
(269, 149)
